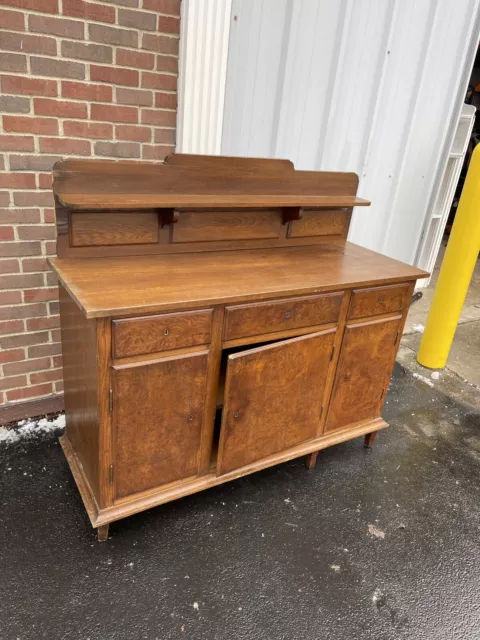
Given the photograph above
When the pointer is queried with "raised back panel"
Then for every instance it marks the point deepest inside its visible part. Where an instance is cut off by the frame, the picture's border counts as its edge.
(266, 165)
(197, 203)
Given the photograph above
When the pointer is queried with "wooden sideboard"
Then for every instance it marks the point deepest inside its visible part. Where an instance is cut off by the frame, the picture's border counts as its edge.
(215, 321)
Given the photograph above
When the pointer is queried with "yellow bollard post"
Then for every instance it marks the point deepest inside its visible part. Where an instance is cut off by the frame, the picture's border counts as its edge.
(455, 273)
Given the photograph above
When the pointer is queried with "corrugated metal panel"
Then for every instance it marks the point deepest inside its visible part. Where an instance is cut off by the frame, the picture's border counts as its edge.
(371, 86)
(204, 30)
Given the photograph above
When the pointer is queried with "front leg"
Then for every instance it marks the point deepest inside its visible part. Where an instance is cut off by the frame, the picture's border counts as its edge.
(311, 459)
(369, 438)
(102, 532)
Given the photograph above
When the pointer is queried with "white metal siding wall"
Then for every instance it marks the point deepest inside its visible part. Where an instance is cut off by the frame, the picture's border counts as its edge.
(204, 32)
(371, 86)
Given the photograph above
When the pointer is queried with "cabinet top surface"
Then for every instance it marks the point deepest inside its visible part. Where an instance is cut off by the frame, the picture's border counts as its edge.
(198, 181)
(146, 284)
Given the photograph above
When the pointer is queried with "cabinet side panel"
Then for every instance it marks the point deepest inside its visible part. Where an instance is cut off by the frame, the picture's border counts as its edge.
(81, 392)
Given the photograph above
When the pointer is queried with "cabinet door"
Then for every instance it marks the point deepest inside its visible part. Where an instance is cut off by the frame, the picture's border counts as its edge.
(157, 418)
(273, 398)
(364, 367)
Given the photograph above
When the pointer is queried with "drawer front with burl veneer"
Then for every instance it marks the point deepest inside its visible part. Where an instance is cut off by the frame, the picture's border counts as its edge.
(149, 334)
(378, 300)
(246, 320)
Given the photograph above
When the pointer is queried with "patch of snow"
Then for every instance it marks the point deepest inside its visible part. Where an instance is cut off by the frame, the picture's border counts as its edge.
(195, 606)
(335, 567)
(423, 379)
(418, 328)
(29, 429)
(435, 375)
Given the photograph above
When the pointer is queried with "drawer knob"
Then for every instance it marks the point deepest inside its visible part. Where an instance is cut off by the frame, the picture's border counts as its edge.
(288, 314)
(165, 333)
(190, 417)
(235, 415)
(381, 300)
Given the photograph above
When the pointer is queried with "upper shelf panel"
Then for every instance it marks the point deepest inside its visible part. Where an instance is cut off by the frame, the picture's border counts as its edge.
(200, 181)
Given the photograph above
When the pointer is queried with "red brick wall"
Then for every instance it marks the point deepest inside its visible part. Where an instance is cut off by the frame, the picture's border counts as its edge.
(80, 79)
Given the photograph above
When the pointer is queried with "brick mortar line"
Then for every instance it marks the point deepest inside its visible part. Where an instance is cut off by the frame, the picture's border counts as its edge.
(113, 25)
(29, 332)
(113, 65)
(86, 21)
(60, 13)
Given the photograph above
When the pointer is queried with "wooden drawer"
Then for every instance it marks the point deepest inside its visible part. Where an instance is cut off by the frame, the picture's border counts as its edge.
(378, 300)
(136, 336)
(254, 319)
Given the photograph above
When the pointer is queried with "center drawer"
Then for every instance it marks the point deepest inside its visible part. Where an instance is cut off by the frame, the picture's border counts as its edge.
(136, 336)
(246, 320)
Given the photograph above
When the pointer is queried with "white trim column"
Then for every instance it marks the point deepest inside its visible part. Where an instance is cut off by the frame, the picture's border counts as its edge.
(204, 37)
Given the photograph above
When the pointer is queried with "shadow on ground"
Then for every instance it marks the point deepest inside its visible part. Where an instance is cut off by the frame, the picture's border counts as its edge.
(283, 554)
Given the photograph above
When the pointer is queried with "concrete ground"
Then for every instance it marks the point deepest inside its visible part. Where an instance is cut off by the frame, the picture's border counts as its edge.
(378, 544)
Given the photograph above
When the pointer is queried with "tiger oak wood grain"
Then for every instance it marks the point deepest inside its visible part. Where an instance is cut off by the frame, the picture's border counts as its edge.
(234, 163)
(321, 222)
(145, 284)
(92, 229)
(205, 226)
(80, 372)
(90, 184)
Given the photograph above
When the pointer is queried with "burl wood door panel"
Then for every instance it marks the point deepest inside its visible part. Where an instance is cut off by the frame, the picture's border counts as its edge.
(363, 371)
(273, 398)
(157, 418)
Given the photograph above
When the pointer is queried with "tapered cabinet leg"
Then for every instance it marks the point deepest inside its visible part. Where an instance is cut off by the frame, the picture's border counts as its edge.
(311, 459)
(369, 438)
(102, 533)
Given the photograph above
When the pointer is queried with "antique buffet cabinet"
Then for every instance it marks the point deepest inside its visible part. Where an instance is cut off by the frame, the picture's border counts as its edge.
(215, 321)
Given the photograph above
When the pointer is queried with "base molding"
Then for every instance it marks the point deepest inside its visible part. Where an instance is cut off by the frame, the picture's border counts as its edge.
(31, 408)
(141, 502)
